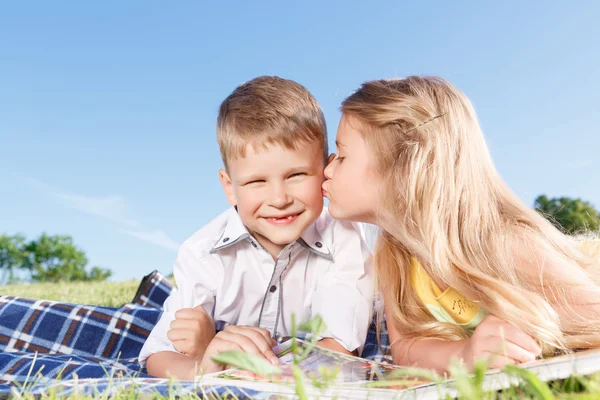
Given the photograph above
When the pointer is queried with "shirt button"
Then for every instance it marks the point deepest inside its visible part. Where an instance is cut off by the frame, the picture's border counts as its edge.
(254, 244)
(225, 240)
(319, 244)
(272, 288)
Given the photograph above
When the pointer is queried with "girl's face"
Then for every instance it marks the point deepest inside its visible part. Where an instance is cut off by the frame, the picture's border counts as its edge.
(352, 183)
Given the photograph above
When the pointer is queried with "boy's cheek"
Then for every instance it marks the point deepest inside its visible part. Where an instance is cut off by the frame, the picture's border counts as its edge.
(248, 198)
(247, 210)
(313, 194)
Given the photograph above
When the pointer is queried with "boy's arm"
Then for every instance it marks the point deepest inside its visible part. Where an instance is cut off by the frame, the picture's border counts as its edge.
(167, 364)
(233, 338)
(196, 285)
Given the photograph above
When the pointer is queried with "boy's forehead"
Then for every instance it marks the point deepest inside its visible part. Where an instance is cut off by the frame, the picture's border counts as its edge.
(257, 157)
(298, 150)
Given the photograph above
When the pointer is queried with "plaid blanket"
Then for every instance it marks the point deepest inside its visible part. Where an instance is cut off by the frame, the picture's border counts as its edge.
(48, 345)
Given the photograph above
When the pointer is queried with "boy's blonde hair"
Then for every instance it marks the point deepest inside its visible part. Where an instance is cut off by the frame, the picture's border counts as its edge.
(444, 203)
(269, 110)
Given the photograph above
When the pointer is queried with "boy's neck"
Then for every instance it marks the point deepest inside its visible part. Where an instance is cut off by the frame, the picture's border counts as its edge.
(272, 248)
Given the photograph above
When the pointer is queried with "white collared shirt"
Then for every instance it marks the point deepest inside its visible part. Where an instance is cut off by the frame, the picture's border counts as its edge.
(327, 272)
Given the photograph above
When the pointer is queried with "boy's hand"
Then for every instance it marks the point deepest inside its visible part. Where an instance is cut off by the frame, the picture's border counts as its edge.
(191, 331)
(501, 342)
(248, 339)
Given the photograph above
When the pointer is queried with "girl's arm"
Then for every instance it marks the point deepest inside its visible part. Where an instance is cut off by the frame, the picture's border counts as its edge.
(566, 286)
(333, 344)
(494, 340)
(424, 353)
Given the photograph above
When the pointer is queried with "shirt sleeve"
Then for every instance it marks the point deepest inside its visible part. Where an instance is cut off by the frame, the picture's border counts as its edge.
(344, 293)
(197, 280)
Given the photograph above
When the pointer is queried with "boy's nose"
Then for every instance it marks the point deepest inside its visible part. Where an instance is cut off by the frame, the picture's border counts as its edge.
(279, 197)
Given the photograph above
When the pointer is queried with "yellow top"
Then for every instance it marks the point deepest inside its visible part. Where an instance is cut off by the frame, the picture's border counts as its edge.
(447, 306)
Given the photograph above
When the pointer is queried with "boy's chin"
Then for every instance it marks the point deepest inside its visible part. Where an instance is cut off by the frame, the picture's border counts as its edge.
(283, 240)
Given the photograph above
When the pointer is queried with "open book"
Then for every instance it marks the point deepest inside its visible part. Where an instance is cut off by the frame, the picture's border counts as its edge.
(358, 378)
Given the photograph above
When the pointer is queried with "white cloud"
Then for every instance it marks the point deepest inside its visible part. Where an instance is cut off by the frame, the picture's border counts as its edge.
(155, 236)
(113, 208)
(580, 164)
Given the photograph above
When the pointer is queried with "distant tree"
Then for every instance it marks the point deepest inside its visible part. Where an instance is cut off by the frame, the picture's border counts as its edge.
(98, 274)
(56, 258)
(11, 256)
(572, 216)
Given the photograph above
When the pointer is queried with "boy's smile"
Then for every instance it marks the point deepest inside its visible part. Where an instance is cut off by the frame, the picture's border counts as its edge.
(277, 191)
(283, 219)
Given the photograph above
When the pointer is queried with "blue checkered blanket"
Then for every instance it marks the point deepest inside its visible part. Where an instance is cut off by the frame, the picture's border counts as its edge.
(60, 347)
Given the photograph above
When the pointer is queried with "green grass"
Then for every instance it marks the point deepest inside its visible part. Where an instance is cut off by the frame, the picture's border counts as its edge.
(469, 387)
(111, 294)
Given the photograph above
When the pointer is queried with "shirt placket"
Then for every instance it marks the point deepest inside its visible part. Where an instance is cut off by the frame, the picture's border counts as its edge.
(271, 308)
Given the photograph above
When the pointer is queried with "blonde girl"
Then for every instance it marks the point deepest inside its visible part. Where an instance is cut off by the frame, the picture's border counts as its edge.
(467, 269)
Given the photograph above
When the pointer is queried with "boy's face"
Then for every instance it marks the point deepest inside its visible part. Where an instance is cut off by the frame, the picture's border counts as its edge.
(277, 192)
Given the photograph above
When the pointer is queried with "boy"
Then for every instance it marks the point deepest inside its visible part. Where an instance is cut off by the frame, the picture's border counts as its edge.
(274, 252)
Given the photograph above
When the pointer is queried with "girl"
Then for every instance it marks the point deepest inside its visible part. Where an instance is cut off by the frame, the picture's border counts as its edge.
(467, 270)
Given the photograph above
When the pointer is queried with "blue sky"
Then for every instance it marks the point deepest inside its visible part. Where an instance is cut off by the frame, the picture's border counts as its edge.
(107, 109)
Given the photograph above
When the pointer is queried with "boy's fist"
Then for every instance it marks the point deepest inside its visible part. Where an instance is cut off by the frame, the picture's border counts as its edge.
(191, 331)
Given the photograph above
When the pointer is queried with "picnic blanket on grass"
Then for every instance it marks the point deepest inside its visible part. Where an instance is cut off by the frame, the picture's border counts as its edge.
(50, 346)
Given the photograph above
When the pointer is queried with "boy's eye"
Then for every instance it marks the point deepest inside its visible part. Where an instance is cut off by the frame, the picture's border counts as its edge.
(255, 182)
(297, 174)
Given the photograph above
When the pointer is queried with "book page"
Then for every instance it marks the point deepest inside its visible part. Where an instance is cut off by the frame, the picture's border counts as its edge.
(352, 371)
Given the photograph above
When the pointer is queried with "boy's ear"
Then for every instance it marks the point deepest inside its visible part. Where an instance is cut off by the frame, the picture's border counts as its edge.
(227, 187)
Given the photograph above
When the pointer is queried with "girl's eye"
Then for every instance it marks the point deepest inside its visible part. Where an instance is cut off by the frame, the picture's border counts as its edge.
(340, 159)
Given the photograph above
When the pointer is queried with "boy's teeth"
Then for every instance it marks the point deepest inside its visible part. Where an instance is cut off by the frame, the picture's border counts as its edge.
(277, 218)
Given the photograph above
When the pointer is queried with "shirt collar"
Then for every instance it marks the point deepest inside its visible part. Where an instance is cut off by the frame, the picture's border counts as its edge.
(235, 232)
(312, 240)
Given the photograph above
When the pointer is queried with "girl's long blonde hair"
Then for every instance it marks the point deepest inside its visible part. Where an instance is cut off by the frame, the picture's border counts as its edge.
(444, 203)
